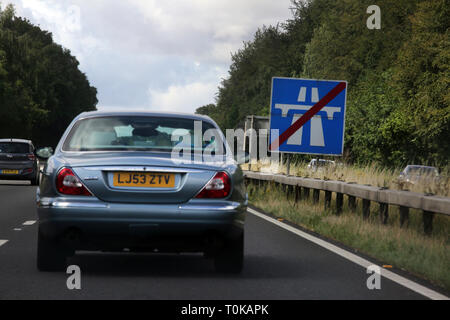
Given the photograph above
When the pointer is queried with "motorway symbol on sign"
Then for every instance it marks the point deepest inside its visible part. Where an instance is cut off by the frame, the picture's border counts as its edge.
(309, 116)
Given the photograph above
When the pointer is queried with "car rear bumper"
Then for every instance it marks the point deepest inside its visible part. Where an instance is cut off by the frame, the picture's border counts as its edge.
(118, 225)
(26, 170)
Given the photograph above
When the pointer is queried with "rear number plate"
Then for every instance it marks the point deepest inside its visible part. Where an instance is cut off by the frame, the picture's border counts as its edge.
(9, 171)
(144, 179)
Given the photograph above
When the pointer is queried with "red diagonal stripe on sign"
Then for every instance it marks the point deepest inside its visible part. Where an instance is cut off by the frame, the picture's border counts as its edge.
(309, 114)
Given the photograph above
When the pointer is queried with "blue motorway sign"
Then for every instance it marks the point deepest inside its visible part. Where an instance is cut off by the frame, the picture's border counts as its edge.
(309, 116)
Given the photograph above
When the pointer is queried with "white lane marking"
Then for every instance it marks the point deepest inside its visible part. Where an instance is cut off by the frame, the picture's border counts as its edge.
(29, 223)
(17, 229)
(356, 259)
(2, 242)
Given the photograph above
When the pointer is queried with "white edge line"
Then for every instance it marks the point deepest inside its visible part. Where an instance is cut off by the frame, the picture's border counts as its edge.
(356, 259)
(2, 242)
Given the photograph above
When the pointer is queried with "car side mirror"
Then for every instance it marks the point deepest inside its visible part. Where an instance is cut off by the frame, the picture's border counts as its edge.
(44, 153)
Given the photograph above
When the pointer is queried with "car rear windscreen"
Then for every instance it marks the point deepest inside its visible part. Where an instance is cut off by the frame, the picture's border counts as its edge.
(422, 171)
(140, 133)
(14, 147)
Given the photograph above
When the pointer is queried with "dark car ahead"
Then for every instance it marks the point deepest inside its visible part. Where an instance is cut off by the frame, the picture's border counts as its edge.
(128, 181)
(18, 161)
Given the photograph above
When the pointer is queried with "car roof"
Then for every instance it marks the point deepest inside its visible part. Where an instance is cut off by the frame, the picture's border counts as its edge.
(419, 166)
(16, 140)
(95, 114)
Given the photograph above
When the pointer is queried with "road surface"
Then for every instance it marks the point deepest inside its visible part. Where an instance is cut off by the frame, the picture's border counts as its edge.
(278, 265)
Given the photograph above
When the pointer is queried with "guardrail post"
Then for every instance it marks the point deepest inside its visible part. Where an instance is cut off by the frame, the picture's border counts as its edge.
(339, 202)
(428, 222)
(404, 215)
(288, 191)
(288, 164)
(316, 195)
(298, 193)
(384, 213)
(352, 203)
(327, 199)
(306, 193)
(366, 208)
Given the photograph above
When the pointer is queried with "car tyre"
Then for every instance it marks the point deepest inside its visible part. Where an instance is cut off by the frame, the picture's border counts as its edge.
(51, 255)
(230, 259)
(35, 181)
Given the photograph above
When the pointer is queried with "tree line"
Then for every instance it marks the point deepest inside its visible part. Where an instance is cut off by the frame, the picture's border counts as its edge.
(398, 98)
(41, 86)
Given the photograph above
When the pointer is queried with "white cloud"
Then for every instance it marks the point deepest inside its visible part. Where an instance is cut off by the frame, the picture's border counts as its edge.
(64, 21)
(172, 46)
(199, 27)
(182, 98)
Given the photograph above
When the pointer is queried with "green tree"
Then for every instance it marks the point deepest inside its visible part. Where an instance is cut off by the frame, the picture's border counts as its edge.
(41, 87)
(398, 94)
(422, 78)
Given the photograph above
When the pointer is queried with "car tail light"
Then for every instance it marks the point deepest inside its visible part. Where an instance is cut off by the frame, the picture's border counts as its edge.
(31, 157)
(68, 183)
(217, 187)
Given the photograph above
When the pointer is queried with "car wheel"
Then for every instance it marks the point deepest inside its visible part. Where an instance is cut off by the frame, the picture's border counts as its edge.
(231, 258)
(51, 255)
(35, 181)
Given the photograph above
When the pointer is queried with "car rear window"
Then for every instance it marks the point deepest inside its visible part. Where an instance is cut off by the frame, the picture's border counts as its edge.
(324, 163)
(422, 171)
(14, 147)
(136, 133)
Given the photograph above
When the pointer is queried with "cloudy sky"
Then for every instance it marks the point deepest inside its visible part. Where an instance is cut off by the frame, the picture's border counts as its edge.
(153, 54)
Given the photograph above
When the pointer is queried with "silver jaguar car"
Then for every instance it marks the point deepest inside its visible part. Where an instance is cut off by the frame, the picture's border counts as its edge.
(141, 182)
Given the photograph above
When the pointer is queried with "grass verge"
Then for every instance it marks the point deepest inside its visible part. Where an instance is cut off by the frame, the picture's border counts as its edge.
(405, 248)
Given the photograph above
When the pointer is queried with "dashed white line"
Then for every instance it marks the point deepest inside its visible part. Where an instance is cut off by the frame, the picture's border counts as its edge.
(431, 294)
(29, 223)
(2, 242)
(17, 229)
